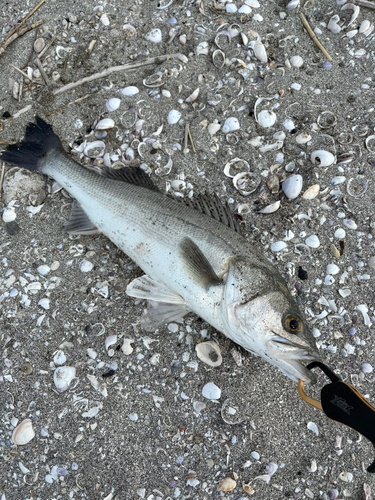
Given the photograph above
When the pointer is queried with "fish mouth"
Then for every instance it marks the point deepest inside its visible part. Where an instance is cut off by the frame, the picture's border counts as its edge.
(292, 358)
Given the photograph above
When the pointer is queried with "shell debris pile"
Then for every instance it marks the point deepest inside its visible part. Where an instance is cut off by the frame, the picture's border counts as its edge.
(280, 131)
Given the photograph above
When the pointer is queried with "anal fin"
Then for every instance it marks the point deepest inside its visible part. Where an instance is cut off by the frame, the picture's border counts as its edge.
(78, 222)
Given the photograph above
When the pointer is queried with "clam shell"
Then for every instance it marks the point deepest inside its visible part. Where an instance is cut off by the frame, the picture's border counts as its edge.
(129, 91)
(59, 357)
(311, 192)
(113, 103)
(39, 45)
(213, 128)
(241, 164)
(266, 118)
(63, 377)
(227, 484)
(211, 391)
(252, 3)
(260, 51)
(126, 347)
(340, 233)
(246, 182)
(230, 125)
(92, 146)
(333, 26)
(23, 433)
(244, 9)
(278, 246)
(292, 186)
(105, 124)
(173, 116)
(293, 4)
(9, 214)
(322, 158)
(209, 353)
(85, 266)
(231, 8)
(269, 209)
(303, 137)
(312, 241)
(296, 61)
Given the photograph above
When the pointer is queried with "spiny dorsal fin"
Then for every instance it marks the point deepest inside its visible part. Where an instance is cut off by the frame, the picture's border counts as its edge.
(198, 265)
(131, 175)
(78, 222)
(212, 206)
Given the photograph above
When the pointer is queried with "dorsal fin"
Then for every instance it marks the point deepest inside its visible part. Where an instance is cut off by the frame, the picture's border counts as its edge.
(212, 206)
(131, 175)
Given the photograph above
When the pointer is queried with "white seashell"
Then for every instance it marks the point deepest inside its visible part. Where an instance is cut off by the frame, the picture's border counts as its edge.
(193, 96)
(63, 376)
(350, 224)
(292, 186)
(339, 179)
(322, 158)
(344, 292)
(293, 4)
(340, 233)
(202, 48)
(110, 340)
(296, 61)
(59, 357)
(365, 26)
(244, 209)
(129, 91)
(244, 9)
(332, 269)
(173, 116)
(366, 368)
(244, 179)
(278, 246)
(9, 214)
(39, 45)
(244, 39)
(271, 468)
(154, 36)
(312, 241)
(279, 136)
(44, 303)
(43, 270)
(213, 128)
(347, 477)
(252, 3)
(289, 124)
(311, 192)
(303, 137)
(355, 9)
(211, 391)
(351, 34)
(182, 39)
(241, 164)
(85, 266)
(94, 149)
(209, 353)
(104, 19)
(313, 427)
(333, 26)
(126, 346)
(231, 8)
(105, 124)
(230, 125)
(113, 103)
(269, 209)
(272, 147)
(260, 51)
(266, 118)
(23, 433)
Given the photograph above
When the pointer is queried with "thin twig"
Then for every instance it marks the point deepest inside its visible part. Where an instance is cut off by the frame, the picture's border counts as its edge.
(20, 71)
(41, 69)
(186, 139)
(46, 48)
(313, 37)
(20, 90)
(191, 139)
(116, 69)
(7, 142)
(364, 3)
(25, 19)
(67, 105)
(2, 178)
(20, 112)
(19, 32)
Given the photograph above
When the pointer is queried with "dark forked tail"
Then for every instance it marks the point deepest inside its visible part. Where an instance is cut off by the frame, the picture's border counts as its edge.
(39, 139)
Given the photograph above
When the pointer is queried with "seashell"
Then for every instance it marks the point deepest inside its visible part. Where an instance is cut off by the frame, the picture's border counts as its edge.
(312, 241)
(340, 233)
(94, 149)
(344, 292)
(333, 26)
(154, 36)
(105, 124)
(327, 65)
(244, 9)
(355, 9)
(246, 182)
(271, 468)
(218, 58)
(23, 433)
(110, 340)
(202, 49)
(244, 209)
(39, 45)
(227, 484)
(126, 347)
(178, 185)
(332, 269)
(182, 39)
(248, 489)
(296, 61)
(63, 377)
(129, 91)
(338, 179)
(9, 214)
(213, 128)
(278, 246)
(289, 124)
(43, 270)
(322, 158)
(130, 29)
(252, 3)
(266, 118)
(211, 391)
(193, 96)
(271, 147)
(313, 427)
(230, 8)
(273, 183)
(241, 164)
(113, 103)
(292, 186)
(366, 27)
(230, 125)
(260, 51)
(173, 116)
(209, 353)
(44, 303)
(104, 19)
(311, 192)
(270, 209)
(357, 187)
(166, 169)
(293, 4)
(59, 357)
(199, 406)
(366, 368)
(85, 266)
(161, 5)
(347, 477)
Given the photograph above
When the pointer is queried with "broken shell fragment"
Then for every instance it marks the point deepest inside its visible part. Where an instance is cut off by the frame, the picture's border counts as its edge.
(94, 149)
(322, 158)
(154, 36)
(23, 433)
(269, 209)
(202, 48)
(235, 164)
(209, 353)
(63, 377)
(266, 118)
(39, 45)
(246, 182)
(355, 9)
(105, 124)
(173, 116)
(230, 125)
(333, 26)
(312, 192)
(227, 484)
(193, 96)
(293, 4)
(303, 137)
(273, 183)
(218, 58)
(292, 186)
(213, 128)
(211, 391)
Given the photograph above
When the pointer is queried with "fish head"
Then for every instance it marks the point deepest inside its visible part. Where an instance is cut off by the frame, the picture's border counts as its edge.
(261, 315)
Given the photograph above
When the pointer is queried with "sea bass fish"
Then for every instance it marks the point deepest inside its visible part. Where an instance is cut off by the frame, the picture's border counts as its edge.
(193, 257)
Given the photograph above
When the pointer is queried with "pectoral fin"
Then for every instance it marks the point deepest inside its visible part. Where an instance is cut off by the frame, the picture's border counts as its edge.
(78, 222)
(199, 267)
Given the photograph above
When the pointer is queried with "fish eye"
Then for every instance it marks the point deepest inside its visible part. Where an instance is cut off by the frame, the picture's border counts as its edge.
(293, 323)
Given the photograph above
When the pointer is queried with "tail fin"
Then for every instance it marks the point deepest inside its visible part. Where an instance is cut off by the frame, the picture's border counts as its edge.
(39, 139)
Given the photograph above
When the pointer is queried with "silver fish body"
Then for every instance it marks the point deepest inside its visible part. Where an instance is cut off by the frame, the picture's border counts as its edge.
(192, 261)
